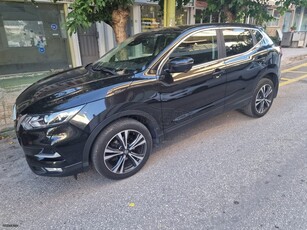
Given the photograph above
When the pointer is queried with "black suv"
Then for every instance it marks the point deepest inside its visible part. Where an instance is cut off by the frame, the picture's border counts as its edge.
(110, 112)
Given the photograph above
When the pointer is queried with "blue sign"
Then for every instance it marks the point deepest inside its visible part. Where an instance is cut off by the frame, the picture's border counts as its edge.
(41, 50)
(54, 26)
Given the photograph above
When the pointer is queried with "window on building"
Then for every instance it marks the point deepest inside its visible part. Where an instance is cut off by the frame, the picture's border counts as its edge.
(202, 47)
(287, 21)
(237, 41)
(297, 17)
(304, 22)
(300, 20)
(181, 16)
(150, 17)
(276, 16)
(32, 37)
(198, 16)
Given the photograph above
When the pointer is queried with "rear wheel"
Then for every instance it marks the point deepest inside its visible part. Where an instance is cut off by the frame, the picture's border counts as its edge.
(262, 99)
(122, 149)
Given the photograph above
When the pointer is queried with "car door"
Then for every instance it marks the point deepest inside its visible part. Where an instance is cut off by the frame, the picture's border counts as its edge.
(199, 91)
(244, 62)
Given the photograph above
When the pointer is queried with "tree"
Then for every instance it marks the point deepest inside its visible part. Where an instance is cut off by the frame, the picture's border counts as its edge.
(85, 12)
(113, 12)
(238, 10)
(283, 5)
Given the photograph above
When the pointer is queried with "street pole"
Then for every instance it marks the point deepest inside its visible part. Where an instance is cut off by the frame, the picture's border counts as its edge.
(169, 12)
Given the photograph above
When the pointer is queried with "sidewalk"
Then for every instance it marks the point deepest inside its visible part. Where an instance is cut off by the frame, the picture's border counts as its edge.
(10, 88)
(293, 55)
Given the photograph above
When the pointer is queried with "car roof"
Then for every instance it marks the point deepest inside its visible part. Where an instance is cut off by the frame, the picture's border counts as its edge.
(182, 29)
(217, 25)
(186, 29)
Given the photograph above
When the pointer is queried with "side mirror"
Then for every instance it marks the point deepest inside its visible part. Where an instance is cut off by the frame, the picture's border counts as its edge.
(179, 65)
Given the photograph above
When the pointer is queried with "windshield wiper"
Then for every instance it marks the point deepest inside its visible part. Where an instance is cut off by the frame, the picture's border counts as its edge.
(104, 69)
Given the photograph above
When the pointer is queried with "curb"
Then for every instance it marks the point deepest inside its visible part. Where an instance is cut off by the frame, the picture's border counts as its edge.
(289, 61)
(293, 61)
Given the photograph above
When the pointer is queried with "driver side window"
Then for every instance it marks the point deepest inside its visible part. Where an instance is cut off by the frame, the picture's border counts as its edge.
(202, 47)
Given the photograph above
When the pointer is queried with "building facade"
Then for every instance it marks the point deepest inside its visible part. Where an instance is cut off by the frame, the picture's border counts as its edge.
(294, 19)
(34, 41)
(33, 37)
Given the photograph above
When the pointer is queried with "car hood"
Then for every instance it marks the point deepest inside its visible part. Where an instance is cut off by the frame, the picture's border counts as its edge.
(68, 89)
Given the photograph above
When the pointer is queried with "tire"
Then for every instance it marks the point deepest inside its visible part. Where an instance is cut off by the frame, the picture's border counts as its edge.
(121, 149)
(262, 99)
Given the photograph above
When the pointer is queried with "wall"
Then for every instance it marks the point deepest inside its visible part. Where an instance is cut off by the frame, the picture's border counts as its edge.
(32, 38)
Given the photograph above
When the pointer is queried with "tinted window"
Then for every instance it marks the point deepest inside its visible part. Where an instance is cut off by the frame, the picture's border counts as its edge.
(258, 36)
(237, 41)
(202, 47)
(135, 53)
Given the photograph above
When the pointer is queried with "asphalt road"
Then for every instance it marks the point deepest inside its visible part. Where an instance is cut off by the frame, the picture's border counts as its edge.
(229, 172)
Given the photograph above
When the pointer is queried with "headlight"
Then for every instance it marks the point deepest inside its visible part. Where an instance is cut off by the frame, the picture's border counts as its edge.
(45, 120)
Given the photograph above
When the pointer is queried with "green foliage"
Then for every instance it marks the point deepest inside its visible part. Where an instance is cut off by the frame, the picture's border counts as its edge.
(283, 5)
(84, 13)
(239, 10)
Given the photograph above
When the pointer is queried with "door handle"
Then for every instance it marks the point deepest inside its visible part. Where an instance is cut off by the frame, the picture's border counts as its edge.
(218, 73)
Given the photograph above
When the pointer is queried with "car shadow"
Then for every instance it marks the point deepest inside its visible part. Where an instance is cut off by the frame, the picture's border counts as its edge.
(201, 126)
(18, 174)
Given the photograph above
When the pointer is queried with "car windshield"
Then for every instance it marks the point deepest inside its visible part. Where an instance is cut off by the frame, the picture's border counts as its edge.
(134, 54)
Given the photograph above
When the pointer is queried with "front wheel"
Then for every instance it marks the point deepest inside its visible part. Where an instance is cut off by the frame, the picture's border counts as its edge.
(122, 149)
(262, 99)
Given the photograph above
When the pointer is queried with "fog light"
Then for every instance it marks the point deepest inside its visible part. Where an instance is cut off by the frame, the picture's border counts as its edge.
(48, 155)
(54, 169)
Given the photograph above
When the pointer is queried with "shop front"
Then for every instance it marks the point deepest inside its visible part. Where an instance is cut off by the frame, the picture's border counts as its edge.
(151, 17)
(32, 38)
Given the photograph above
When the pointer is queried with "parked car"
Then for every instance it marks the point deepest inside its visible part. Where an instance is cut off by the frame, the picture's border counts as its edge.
(111, 112)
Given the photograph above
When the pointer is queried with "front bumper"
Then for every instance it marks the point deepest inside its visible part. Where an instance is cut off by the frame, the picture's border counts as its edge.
(53, 169)
(56, 151)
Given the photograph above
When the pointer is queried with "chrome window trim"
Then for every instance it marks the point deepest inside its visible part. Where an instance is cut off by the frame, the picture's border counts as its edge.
(184, 37)
(162, 63)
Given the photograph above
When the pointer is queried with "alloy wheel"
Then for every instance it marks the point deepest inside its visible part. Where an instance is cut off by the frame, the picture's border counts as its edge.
(264, 99)
(125, 151)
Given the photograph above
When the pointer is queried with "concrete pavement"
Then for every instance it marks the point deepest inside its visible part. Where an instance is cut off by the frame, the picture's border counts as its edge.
(292, 55)
(229, 172)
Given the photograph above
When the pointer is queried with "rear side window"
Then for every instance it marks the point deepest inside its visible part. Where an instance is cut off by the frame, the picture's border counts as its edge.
(202, 47)
(237, 41)
(258, 36)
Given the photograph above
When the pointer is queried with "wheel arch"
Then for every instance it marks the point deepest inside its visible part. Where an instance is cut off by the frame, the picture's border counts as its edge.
(271, 74)
(275, 79)
(143, 117)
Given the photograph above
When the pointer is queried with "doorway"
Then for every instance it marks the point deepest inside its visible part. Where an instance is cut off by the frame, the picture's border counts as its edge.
(88, 42)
